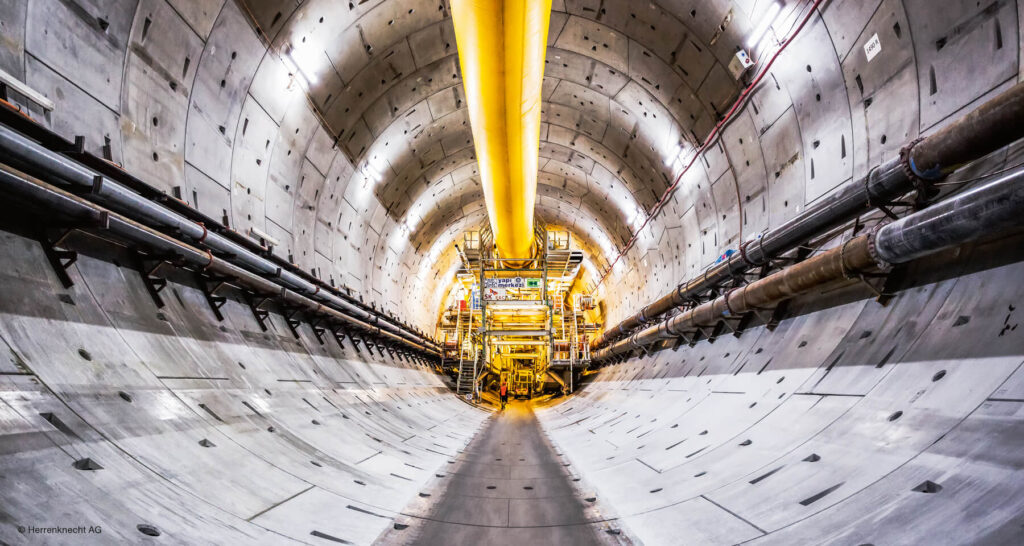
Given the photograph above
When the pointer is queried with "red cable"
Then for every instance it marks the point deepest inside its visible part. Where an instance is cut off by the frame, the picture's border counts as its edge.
(707, 141)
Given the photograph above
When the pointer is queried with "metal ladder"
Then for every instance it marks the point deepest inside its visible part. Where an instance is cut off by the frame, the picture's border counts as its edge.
(468, 371)
(464, 382)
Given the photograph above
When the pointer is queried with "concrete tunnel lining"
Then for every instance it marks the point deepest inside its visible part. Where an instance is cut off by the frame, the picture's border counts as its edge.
(827, 429)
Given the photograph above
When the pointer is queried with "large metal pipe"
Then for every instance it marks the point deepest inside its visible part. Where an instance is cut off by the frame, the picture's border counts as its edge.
(995, 124)
(75, 207)
(502, 44)
(34, 159)
(992, 208)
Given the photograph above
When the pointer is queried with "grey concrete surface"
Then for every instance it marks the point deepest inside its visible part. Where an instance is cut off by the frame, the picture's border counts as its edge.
(508, 486)
(214, 433)
(827, 430)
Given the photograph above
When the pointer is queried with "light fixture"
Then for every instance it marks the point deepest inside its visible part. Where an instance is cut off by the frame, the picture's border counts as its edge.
(767, 20)
(294, 72)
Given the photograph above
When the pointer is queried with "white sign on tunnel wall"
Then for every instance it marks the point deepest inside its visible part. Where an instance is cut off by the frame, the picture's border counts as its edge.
(873, 47)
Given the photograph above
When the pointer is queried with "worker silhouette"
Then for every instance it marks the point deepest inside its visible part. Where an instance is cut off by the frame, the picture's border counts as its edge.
(503, 394)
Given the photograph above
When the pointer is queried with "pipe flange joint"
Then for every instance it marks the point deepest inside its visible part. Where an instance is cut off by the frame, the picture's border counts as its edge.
(873, 247)
(922, 181)
(906, 161)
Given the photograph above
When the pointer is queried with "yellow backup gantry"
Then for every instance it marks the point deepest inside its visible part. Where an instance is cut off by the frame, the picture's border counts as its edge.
(502, 45)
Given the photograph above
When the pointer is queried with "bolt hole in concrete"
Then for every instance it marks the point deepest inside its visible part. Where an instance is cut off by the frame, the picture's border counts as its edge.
(928, 486)
(939, 375)
(528, 487)
(400, 526)
(87, 464)
(206, 443)
(815, 498)
(125, 396)
(812, 458)
(331, 538)
(148, 530)
(85, 354)
(656, 490)
(492, 487)
(896, 416)
(316, 464)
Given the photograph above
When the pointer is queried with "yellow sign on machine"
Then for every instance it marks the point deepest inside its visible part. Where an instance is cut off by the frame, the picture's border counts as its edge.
(502, 45)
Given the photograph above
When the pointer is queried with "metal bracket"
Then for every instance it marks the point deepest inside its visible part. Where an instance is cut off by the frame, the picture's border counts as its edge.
(882, 294)
(711, 333)
(889, 290)
(256, 306)
(210, 292)
(293, 323)
(339, 336)
(319, 331)
(780, 262)
(150, 275)
(886, 208)
(61, 259)
(76, 149)
(771, 316)
(734, 324)
(369, 343)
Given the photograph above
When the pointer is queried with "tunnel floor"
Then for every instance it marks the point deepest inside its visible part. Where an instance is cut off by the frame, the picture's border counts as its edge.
(509, 485)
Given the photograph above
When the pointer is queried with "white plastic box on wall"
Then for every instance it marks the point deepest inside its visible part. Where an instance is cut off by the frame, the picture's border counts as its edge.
(739, 64)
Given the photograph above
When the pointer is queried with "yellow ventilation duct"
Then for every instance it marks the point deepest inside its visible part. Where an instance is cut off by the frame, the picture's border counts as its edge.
(501, 45)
